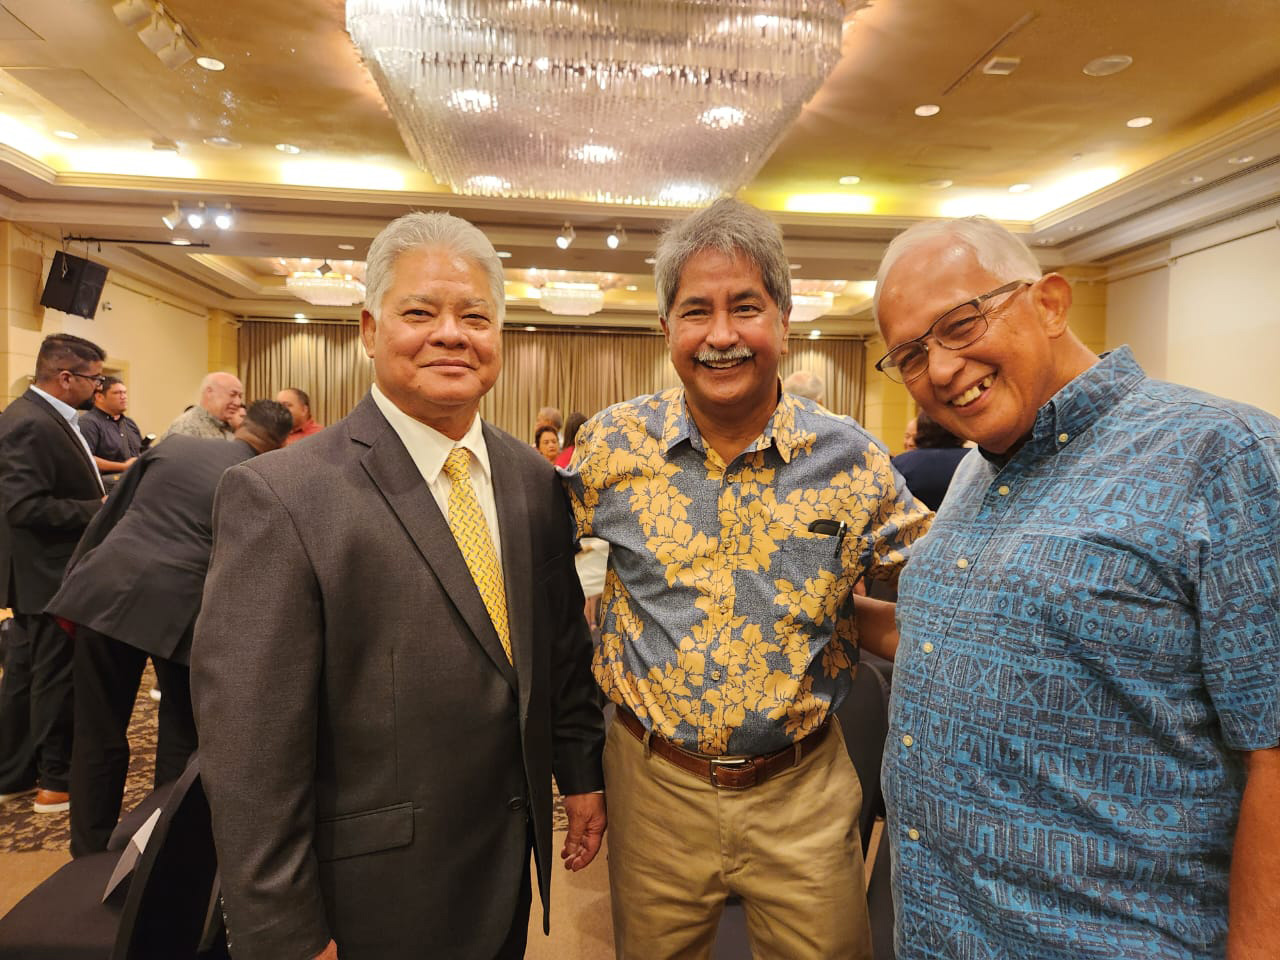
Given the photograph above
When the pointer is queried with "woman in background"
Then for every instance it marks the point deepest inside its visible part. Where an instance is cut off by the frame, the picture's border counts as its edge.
(546, 442)
(571, 428)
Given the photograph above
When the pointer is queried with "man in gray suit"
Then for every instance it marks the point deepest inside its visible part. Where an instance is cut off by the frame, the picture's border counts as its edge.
(391, 658)
(132, 591)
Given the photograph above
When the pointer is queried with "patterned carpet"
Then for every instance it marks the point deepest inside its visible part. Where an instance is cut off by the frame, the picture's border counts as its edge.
(23, 830)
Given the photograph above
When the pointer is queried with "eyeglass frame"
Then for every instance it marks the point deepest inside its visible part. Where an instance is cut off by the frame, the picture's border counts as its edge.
(921, 340)
(98, 379)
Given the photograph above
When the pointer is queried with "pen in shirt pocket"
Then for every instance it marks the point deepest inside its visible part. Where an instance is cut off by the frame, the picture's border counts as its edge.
(830, 528)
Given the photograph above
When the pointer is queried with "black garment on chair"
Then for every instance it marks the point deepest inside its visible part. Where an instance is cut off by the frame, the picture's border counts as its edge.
(164, 914)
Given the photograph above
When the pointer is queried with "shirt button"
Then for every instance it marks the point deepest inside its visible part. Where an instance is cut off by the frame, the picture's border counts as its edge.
(913, 833)
(962, 562)
(908, 740)
(1062, 438)
(1003, 491)
(927, 647)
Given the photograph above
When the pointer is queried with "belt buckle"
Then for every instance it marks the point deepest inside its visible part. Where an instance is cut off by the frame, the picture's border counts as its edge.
(717, 762)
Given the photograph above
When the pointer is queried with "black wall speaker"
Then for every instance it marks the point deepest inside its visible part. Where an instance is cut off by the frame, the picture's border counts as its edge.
(74, 285)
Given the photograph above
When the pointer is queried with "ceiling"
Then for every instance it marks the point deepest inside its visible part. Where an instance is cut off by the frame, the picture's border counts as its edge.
(1207, 74)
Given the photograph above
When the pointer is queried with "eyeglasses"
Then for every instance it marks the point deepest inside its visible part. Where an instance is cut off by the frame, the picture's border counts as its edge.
(956, 329)
(98, 379)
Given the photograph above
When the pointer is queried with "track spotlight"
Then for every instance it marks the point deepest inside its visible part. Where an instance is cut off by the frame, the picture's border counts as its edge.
(196, 218)
(225, 218)
(616, 238)
(173, 217)
(566, 237)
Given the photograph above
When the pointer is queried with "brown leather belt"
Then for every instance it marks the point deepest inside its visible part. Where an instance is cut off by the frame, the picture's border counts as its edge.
(728, 773)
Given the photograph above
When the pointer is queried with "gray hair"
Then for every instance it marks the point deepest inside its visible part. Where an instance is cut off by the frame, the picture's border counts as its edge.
(436, 230)
(730, 227)
(997, 250)
(805, 383)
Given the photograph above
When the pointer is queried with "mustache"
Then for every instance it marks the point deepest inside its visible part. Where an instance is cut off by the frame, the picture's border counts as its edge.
(708, 355)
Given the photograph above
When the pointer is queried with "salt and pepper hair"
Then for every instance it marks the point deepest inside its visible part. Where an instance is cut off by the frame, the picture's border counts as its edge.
(997, 250)
(437, 231)
(730, 227)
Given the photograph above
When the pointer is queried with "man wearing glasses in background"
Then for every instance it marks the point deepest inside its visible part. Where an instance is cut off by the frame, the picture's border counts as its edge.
(49, 491)
(1082, 761)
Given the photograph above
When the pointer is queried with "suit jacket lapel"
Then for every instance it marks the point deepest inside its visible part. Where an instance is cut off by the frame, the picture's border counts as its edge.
(394, 473)
(510, 496)
(76, 440)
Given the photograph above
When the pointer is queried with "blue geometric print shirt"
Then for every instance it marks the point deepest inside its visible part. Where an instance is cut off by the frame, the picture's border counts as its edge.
(1089, 635)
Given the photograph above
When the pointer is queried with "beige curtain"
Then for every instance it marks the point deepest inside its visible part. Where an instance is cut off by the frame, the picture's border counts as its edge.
(570, 370)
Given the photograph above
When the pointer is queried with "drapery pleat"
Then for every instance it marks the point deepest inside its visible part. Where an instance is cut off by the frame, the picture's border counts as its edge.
(571, 370)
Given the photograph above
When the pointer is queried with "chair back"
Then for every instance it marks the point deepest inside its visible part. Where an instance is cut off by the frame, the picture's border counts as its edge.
(864, 720)
(165, 913)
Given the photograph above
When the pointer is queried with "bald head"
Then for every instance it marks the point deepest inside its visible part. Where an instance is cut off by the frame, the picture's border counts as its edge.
(221, 394)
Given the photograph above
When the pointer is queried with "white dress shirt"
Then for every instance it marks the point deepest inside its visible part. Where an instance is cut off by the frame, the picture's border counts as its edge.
(429, 448)
(68, 413)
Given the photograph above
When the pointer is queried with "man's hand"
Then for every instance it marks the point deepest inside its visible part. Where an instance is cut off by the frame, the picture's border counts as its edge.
(587, 822)
(330, 952)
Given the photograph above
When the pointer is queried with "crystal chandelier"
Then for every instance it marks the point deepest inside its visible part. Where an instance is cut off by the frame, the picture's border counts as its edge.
(807, 307)
(325, 289)
(571, 299)
(669, 102)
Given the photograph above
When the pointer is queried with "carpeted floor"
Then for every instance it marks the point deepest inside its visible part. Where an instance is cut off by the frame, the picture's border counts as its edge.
(22, 830)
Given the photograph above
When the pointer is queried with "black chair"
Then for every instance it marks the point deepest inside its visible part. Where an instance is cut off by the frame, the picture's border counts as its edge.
(864, 720)
(164, 911)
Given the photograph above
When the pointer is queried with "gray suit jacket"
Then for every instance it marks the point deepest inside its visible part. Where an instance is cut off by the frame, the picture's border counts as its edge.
(138, 572)
(375, 766)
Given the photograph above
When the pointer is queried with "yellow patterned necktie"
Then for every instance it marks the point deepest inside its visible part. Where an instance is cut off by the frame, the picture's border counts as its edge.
(467, 522)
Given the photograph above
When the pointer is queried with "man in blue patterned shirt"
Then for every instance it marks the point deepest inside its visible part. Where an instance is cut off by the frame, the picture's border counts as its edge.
(1083, 759)
(739, 519)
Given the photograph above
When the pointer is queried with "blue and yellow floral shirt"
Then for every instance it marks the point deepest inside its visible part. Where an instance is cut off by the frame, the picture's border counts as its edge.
(1089, 636)
(725, 620)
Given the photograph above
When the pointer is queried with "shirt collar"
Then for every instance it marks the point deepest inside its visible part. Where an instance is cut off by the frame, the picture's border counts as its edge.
(65, 410)
(1081, 403)
(427, 446)
(678, 425)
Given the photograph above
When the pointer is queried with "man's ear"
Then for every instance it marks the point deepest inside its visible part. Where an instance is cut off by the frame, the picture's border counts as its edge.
(666, 331)
(1052, 297)
(368, 328)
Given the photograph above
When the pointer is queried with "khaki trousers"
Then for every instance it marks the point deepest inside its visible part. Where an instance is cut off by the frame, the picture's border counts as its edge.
(789, 848)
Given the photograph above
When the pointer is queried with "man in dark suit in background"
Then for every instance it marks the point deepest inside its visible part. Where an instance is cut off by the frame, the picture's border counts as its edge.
(391, 658)
(49, 491)
(132, 590)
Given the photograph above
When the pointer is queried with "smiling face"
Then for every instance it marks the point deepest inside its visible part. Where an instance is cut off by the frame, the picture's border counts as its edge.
(726, 336)
(990, 390)
(223, 396)
(437, 346)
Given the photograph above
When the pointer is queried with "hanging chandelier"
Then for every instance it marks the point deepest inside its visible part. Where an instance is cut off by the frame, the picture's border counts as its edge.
(571, 299)
(325, 289)
(669, 102)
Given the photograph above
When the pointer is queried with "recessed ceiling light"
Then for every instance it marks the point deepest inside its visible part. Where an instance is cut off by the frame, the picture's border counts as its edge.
(928, 110)
(1045, 241)
(1106, 66)
(179, 242)
(631, 287)
(1020, 188)
(531, 329)
(346, 246)
(223, 143)
(66, 135)
(1241, 160)
(1136, 122)
(288, 148)
(1194, 178)
(814, 334)
(1074, 229)
(504, 254)
(849, 181)
(794, 266)
(937, 184)
(210, 63)
(650, 260)
(299, 316)
(1077, 156)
